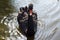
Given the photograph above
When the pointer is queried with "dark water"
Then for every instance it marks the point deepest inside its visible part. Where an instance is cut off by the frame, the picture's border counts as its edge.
(5, 9)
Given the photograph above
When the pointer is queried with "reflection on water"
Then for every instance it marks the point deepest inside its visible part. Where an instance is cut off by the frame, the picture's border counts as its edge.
(5, 9)
(11, 22)
(47, 19)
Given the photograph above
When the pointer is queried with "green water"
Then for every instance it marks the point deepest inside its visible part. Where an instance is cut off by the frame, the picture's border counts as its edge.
(5, 9)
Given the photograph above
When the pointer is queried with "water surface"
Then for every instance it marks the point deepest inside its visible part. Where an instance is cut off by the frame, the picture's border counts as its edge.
(48, 19)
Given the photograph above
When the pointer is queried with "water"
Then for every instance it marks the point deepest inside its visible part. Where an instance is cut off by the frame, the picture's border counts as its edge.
(48, 19)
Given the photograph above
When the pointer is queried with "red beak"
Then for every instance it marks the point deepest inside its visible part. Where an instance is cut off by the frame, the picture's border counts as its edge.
(30, 12)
